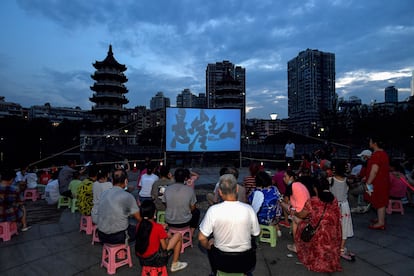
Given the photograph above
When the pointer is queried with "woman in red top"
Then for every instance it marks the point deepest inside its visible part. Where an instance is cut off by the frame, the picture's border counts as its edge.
(150, 236)
(378, 177)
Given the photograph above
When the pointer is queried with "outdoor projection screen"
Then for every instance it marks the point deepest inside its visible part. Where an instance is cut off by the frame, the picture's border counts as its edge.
(202, 130)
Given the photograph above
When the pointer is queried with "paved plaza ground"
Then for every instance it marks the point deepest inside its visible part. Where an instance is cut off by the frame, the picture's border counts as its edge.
(58, 248)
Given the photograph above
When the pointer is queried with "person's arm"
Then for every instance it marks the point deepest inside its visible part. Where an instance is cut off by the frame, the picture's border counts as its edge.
(204, 241)
(372, 173)
(137, 216)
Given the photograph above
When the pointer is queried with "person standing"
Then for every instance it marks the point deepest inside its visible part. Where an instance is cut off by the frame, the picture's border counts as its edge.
(289, 153)
(115, 207)
(232, 224)
(378, 182)
(65, 177)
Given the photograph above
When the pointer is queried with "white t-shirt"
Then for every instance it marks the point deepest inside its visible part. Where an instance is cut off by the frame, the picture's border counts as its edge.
(97, 189)
(52, 192)
(233, 223)
(145, 183)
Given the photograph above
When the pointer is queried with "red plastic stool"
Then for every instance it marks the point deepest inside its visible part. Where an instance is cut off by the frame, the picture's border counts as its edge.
(32, 194)
(185, 233)
(95, 237)
(86, 224)
(114, 256)
(154, 271)
(395, 205)
(7, 229)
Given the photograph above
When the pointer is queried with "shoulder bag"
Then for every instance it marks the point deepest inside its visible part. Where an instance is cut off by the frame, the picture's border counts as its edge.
(309, 231)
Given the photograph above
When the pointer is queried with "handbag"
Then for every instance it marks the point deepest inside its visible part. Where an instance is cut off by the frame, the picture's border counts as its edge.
(158, 259)
(309, 231)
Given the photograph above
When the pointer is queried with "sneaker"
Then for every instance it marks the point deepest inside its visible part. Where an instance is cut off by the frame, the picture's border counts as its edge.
(178, 266)
(284, 224)
(279, 233)
(24, 229)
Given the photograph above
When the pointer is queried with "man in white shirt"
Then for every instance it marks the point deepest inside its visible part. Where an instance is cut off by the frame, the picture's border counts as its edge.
(289, 152)
(232, 224)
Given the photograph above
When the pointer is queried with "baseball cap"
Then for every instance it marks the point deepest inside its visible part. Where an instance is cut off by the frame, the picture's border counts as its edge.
(365, 153)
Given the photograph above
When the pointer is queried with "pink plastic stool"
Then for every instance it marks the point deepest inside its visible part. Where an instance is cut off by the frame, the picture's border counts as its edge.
(7, 229)
(95, 237)
(154, 271)
(186, 233)
(395, 205)
(86, 224)
(114, 256)
(32, 194)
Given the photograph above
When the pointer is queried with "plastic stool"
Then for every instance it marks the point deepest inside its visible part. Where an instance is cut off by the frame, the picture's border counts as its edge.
(185, 233)
(32, 194)
(64, 201)
(154, 271)
(95, 237)
(268, 234)
(74, 205)
(114, 256)
(86, 224)
(161, 217)
(7, 229)
(395, 205)
(221, 273)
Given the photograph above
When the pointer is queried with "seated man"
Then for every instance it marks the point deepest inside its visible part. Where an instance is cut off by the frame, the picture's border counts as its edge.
(11, 206)
(230, 250)
(180, 201)
(115, 207)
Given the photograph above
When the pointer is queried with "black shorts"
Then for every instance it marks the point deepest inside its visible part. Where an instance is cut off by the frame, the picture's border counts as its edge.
(232, 262)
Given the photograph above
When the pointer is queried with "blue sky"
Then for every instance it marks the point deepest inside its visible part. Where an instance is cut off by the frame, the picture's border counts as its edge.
(48, 47)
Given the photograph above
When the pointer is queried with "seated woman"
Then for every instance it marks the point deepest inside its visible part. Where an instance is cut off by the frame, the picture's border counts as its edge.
(398, 189)
(151, 239)
(322, 252)
(265, 201)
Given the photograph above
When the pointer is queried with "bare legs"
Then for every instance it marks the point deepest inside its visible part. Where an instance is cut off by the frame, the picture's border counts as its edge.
(174, 243)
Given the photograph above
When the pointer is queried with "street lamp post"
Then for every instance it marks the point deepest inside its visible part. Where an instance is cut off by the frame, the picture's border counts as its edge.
(273, 116)
(40, 148)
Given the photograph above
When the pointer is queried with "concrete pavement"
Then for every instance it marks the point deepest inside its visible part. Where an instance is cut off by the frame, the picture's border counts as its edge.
(60, 249)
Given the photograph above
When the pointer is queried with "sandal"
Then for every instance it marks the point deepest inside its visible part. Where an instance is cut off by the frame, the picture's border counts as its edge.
(345, 255)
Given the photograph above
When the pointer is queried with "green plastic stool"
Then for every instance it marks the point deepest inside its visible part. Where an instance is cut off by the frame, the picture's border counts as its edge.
(64, 201)
(221, 273)
(268, 234)
(161, 217)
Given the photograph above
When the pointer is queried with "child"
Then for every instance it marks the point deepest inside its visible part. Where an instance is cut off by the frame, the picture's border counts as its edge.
(152, 239)
(339, 188)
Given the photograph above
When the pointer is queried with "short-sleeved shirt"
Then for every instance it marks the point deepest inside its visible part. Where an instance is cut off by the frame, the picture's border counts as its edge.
(298, 195)
(65, 176)
(9, 203)
(74, 185)
(232, 223)
(85, 197)
(97, 189)
(157, 233)
(52, 192)
(115, 207)
(157, 192)
(146, 182)
(179, 197)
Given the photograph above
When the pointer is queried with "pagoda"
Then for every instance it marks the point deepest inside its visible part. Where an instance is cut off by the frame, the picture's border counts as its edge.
(109, 92)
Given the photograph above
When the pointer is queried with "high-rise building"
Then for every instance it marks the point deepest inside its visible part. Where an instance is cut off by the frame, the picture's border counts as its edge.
(159, 101)
(186, 98)
(226, 87)
(311, 89)
(391, 94)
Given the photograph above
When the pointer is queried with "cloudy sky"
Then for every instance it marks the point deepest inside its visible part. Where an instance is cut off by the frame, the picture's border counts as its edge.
(48, 47)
